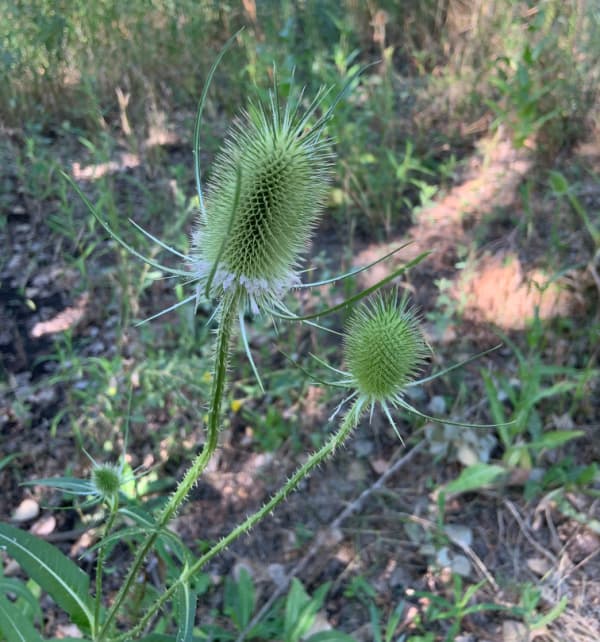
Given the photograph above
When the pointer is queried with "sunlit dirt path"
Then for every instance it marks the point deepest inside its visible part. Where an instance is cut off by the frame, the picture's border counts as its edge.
(494, 286)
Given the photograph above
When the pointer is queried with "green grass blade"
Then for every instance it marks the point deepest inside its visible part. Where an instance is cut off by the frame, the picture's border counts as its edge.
(186, 610)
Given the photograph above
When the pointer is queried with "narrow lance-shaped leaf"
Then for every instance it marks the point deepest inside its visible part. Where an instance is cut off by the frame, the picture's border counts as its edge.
(473, 478)
(186, 611)
(71, 485)
(14, 626)
(54, 572)
(353, 299)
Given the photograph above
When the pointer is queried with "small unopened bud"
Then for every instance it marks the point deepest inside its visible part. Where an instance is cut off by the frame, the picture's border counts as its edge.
(106, 479)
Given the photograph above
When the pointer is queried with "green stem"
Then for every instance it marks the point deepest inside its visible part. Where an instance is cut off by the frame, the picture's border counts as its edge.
(224, 332)
(336, 440)
(113, 507)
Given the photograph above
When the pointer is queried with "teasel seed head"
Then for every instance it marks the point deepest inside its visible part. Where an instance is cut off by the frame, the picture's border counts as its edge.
(384, 348)
(264, 197)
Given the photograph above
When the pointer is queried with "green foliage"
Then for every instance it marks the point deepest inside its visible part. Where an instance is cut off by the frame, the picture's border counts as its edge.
(525, 439)
(561, 188)
(529, 603)
(240, 600)
(473, 478)
(14, 625)
(66, 582)
(543, 84)
(454, 609)
(63, 59)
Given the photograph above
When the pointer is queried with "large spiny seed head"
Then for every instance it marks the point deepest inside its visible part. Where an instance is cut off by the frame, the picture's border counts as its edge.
(384, 347)
(283, 173)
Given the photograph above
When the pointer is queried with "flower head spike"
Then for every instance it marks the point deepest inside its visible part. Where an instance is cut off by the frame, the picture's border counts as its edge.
(105, 482)
(263, 200)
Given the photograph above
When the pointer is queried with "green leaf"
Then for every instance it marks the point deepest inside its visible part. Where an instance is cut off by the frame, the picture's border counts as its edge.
(553, 613)
(393, 622)
(185, 603)
(301, 609)
(556, 438)
(16, 587)
(559, 183)
(15, 627)
(53, 571)
(375, 622)
(239, 599)
(296, 599)
(6, 460)
(473, 478)
(71, 485)
(330, 636)
(494, 400)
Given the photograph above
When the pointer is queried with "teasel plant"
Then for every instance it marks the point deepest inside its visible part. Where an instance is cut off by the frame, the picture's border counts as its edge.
(264, 198)
(263, 201)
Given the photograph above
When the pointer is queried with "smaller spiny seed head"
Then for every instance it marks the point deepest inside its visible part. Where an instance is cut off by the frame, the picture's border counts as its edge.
(106, 479)
(384, 347)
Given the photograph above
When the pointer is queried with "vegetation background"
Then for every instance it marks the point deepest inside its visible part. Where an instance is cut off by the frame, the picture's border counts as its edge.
(475, 133)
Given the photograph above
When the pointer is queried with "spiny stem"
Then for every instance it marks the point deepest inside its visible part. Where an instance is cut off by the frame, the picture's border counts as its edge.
(224, 332)
(336, 440)
(113, 507)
